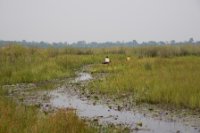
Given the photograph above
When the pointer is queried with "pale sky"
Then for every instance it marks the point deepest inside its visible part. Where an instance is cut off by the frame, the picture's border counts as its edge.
(99, 20)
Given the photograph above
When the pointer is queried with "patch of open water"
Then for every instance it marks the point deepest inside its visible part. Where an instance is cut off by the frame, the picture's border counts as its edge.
(61, 98)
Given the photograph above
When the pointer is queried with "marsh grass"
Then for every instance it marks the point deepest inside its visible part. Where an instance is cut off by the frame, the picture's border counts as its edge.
(16, 118)
(173, 81)
(21, 64)
(156, 74)
(61, 122)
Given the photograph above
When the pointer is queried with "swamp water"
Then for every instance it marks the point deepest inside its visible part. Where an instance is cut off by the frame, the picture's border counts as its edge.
(70, 96)
(60, 98)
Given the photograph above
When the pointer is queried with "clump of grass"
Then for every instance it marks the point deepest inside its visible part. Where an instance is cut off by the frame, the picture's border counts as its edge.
(15, 118)
(18, 118)
(62, 122)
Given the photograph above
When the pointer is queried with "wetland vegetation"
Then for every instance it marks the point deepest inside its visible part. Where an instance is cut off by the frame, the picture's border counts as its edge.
(167, 75)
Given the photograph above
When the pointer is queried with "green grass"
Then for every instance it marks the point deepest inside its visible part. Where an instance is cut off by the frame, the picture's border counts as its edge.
(173, 81)
(21, 64)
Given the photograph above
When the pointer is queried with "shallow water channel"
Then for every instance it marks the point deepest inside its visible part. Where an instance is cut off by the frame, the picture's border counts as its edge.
(138, 122)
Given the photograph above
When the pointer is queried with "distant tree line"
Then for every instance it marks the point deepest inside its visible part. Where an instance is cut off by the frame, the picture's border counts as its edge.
(84, 44)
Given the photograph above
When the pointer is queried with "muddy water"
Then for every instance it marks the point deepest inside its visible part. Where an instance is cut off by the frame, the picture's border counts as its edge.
(83, 77)
(63, 98)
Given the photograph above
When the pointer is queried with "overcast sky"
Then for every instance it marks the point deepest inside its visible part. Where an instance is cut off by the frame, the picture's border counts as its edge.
(99, 20)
